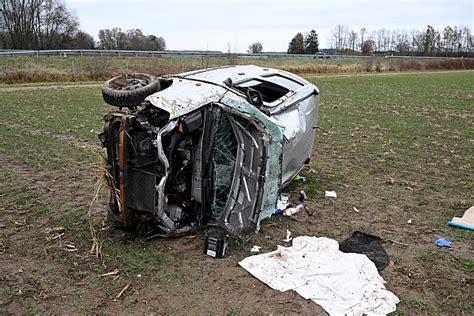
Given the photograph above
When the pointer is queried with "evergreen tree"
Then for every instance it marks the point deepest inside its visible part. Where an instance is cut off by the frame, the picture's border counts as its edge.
(311, 43)
(296, 45)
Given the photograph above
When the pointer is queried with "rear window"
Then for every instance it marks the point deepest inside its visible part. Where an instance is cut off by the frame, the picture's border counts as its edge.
(285, 82)
(270, 91)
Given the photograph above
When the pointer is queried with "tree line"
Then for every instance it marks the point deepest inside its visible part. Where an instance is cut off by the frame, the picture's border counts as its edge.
(48, 24)
(450, 41)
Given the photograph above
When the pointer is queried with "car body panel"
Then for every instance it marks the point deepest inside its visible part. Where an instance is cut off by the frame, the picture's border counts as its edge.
(184, 96)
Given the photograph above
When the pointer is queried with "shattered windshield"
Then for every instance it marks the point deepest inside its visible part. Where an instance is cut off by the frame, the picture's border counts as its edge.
(223, 161)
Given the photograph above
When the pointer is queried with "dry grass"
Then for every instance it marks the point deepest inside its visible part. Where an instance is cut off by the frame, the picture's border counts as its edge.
(102, 68)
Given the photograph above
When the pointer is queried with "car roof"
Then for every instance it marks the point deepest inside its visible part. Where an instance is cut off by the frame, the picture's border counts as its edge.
(238, 73)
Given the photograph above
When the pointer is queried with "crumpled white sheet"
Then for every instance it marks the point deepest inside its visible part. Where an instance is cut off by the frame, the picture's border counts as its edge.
(342, 283)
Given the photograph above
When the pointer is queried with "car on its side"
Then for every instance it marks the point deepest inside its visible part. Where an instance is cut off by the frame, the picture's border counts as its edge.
(207, 147)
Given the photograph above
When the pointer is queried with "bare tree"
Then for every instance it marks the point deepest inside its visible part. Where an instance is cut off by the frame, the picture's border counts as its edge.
(38, 24)
(115, 38)
(363, 31)
(352, 40)
(454, 41)
(338, 37)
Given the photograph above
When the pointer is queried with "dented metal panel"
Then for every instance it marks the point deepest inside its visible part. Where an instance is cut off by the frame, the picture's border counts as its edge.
(185, 96)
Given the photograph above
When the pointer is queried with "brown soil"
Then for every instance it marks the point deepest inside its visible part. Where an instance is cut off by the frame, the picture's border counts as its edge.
(40, 274)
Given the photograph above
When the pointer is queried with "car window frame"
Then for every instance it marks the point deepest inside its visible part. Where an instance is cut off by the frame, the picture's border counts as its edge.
(265, 79)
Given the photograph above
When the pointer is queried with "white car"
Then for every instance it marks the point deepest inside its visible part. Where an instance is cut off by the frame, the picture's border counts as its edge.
(207, 147)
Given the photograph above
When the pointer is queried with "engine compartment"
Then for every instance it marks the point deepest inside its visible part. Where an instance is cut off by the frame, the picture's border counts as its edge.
(188, 163)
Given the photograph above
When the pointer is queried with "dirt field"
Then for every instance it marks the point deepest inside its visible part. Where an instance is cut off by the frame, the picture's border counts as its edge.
(395, 147)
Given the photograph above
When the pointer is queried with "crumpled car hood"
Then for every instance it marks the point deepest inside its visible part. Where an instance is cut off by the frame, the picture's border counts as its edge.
(185, 97)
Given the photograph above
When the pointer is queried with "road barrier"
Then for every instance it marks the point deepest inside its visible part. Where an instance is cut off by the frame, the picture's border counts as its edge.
(174, 53)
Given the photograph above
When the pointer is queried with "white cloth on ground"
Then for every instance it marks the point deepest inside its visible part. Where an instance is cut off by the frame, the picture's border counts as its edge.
(342, 283)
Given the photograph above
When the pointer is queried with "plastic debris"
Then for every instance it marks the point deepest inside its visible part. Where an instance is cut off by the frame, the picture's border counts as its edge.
(409, 221)
(303, 196)
(466, 221)
(331, 194)
(283, 203)
(288, 237)
(440, 242)
(255, 249)
(299, 178)
(355, 209)
(366, 244)
(294, 210)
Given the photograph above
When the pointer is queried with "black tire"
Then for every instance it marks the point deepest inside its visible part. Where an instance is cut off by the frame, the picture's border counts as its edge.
(129, 89)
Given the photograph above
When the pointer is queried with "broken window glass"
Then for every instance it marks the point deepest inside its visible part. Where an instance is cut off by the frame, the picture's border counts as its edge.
(270, 91)
(223, 160)
(285, 82)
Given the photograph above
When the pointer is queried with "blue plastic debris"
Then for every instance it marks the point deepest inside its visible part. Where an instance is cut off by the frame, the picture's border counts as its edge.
(455, 224)
(443, 243)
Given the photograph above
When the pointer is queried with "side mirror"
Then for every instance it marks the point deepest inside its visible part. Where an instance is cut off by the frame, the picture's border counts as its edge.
(254, 97)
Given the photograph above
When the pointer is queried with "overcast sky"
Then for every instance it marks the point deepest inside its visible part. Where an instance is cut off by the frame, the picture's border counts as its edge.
(215, 24)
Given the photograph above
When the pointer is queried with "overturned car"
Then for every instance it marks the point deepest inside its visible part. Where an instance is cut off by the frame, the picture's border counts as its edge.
(208, 147)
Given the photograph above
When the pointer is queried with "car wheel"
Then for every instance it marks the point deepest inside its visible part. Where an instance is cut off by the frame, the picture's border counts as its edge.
(129, 89)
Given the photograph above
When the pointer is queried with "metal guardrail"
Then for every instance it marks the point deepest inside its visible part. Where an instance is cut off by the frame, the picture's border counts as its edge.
(139, 53)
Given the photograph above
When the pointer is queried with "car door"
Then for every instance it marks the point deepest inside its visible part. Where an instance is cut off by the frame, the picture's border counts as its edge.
(256, 176)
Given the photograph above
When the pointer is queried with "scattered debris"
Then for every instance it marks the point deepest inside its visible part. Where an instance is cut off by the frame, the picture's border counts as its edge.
(282, 203)
(294, 210)
(343, 284)
(123, 290)
(255, 249)
(303, 196)
(299, 178)
(355, 209)
(278, 211)
(308, 210)
(441, 242)
(390, 181)
(55, 230)
(70, 247)
(331, 194)
(288, 237)
(49, 238)
(409, 221)
(466, 221)
(397, 242)
(366, 244)
(216, 243)
(20, 223)
(114, 272)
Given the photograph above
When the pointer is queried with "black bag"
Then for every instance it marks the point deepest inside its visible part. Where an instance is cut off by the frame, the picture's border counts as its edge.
(366, 244)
